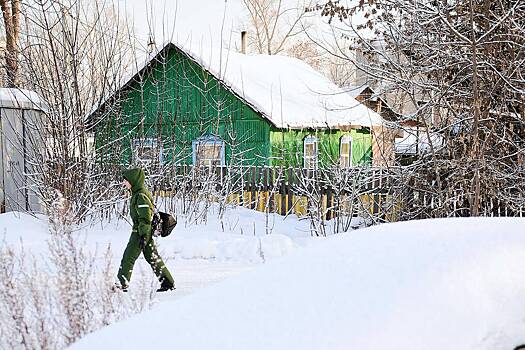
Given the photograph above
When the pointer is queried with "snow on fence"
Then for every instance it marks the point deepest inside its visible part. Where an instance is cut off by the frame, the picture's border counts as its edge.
(374, 193)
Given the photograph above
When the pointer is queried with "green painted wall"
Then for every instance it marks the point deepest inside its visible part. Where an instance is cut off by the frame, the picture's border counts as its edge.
(176, 101)
(288, 146)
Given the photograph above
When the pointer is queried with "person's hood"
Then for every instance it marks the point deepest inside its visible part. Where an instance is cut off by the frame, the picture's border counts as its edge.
(135, 177)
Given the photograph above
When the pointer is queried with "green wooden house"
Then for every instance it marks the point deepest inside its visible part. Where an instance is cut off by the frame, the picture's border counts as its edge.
(205, 107)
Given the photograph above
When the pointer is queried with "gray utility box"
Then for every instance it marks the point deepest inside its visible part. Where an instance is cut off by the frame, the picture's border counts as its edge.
(21, 144)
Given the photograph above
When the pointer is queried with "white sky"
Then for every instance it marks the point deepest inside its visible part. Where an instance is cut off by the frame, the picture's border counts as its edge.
(197, 20)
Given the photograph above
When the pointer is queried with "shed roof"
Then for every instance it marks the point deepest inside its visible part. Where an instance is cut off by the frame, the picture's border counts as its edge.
(21, 99)
(285, 90)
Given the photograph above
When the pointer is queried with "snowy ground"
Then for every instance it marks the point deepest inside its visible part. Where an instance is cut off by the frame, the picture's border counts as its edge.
(441, 284)
(433, 284)
(197, 255)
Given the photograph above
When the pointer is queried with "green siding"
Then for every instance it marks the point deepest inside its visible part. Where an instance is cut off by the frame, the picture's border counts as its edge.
(177, 101)
(287, 146)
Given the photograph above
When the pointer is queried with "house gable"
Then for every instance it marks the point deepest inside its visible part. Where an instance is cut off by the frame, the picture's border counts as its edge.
(176, 100)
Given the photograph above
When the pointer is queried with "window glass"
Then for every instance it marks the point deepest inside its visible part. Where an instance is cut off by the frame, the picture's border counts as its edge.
(310, 152)
(147, 151)
(208, 151)
(345, 159)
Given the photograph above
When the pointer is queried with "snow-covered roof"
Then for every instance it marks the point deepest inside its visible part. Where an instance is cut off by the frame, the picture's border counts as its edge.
(376, 93)
(285, 90)
(21, 99)
(417, 140)
(356, 90)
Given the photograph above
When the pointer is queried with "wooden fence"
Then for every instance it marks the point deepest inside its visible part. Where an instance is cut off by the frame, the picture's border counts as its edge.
(378, 193)
(362, 191)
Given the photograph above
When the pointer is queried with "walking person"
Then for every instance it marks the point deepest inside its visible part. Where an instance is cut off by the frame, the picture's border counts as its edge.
(141, 211)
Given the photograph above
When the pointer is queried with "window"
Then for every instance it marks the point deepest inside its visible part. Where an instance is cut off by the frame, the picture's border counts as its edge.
(147, 151)
(208, 151)
(345, 159)
(310, 152)
(52, 147)
(90, 143)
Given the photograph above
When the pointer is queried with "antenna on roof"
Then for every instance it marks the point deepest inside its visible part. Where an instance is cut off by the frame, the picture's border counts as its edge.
(151, 43)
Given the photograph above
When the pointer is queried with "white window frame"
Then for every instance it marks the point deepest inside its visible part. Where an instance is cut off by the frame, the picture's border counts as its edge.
(147, 142)
(50, 144)
(209, 140)
(311, 161)
(345, 160)
(90, 144)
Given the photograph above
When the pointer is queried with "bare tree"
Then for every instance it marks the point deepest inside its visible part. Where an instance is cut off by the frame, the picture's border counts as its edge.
(11, 15)
(272, 24)
(74, 53)
(456, 62)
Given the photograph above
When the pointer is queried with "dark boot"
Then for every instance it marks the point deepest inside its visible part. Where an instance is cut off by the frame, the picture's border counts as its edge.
(117, 287)
(165, 286)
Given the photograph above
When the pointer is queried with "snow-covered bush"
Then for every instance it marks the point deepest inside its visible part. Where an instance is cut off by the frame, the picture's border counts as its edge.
(49, 302)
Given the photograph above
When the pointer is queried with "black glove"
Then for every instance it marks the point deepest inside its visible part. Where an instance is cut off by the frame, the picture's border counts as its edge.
(142, 242)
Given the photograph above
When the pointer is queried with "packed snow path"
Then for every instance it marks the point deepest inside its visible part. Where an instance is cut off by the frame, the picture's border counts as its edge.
(197, 255)
(192, 275)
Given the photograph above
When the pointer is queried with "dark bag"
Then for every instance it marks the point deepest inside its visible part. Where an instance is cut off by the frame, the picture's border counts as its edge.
(162, 224)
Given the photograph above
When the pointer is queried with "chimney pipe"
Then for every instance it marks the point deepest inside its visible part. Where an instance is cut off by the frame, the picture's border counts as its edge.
(244, 34)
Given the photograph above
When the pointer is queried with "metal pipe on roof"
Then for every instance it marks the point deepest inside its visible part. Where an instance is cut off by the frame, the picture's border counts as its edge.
(244, 36)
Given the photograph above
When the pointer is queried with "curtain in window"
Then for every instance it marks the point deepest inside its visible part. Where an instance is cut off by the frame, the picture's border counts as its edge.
(208, 151)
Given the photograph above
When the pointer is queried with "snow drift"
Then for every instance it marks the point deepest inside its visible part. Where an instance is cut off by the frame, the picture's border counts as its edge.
(440, 284)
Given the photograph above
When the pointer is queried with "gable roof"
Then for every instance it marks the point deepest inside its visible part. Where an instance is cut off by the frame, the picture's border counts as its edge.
(286, 91)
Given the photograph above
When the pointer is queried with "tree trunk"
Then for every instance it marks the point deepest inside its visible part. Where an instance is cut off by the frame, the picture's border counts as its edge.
(476, 102)
(11, 14)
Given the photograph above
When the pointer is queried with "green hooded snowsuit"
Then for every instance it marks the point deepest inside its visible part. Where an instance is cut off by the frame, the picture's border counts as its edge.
(141, 211)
